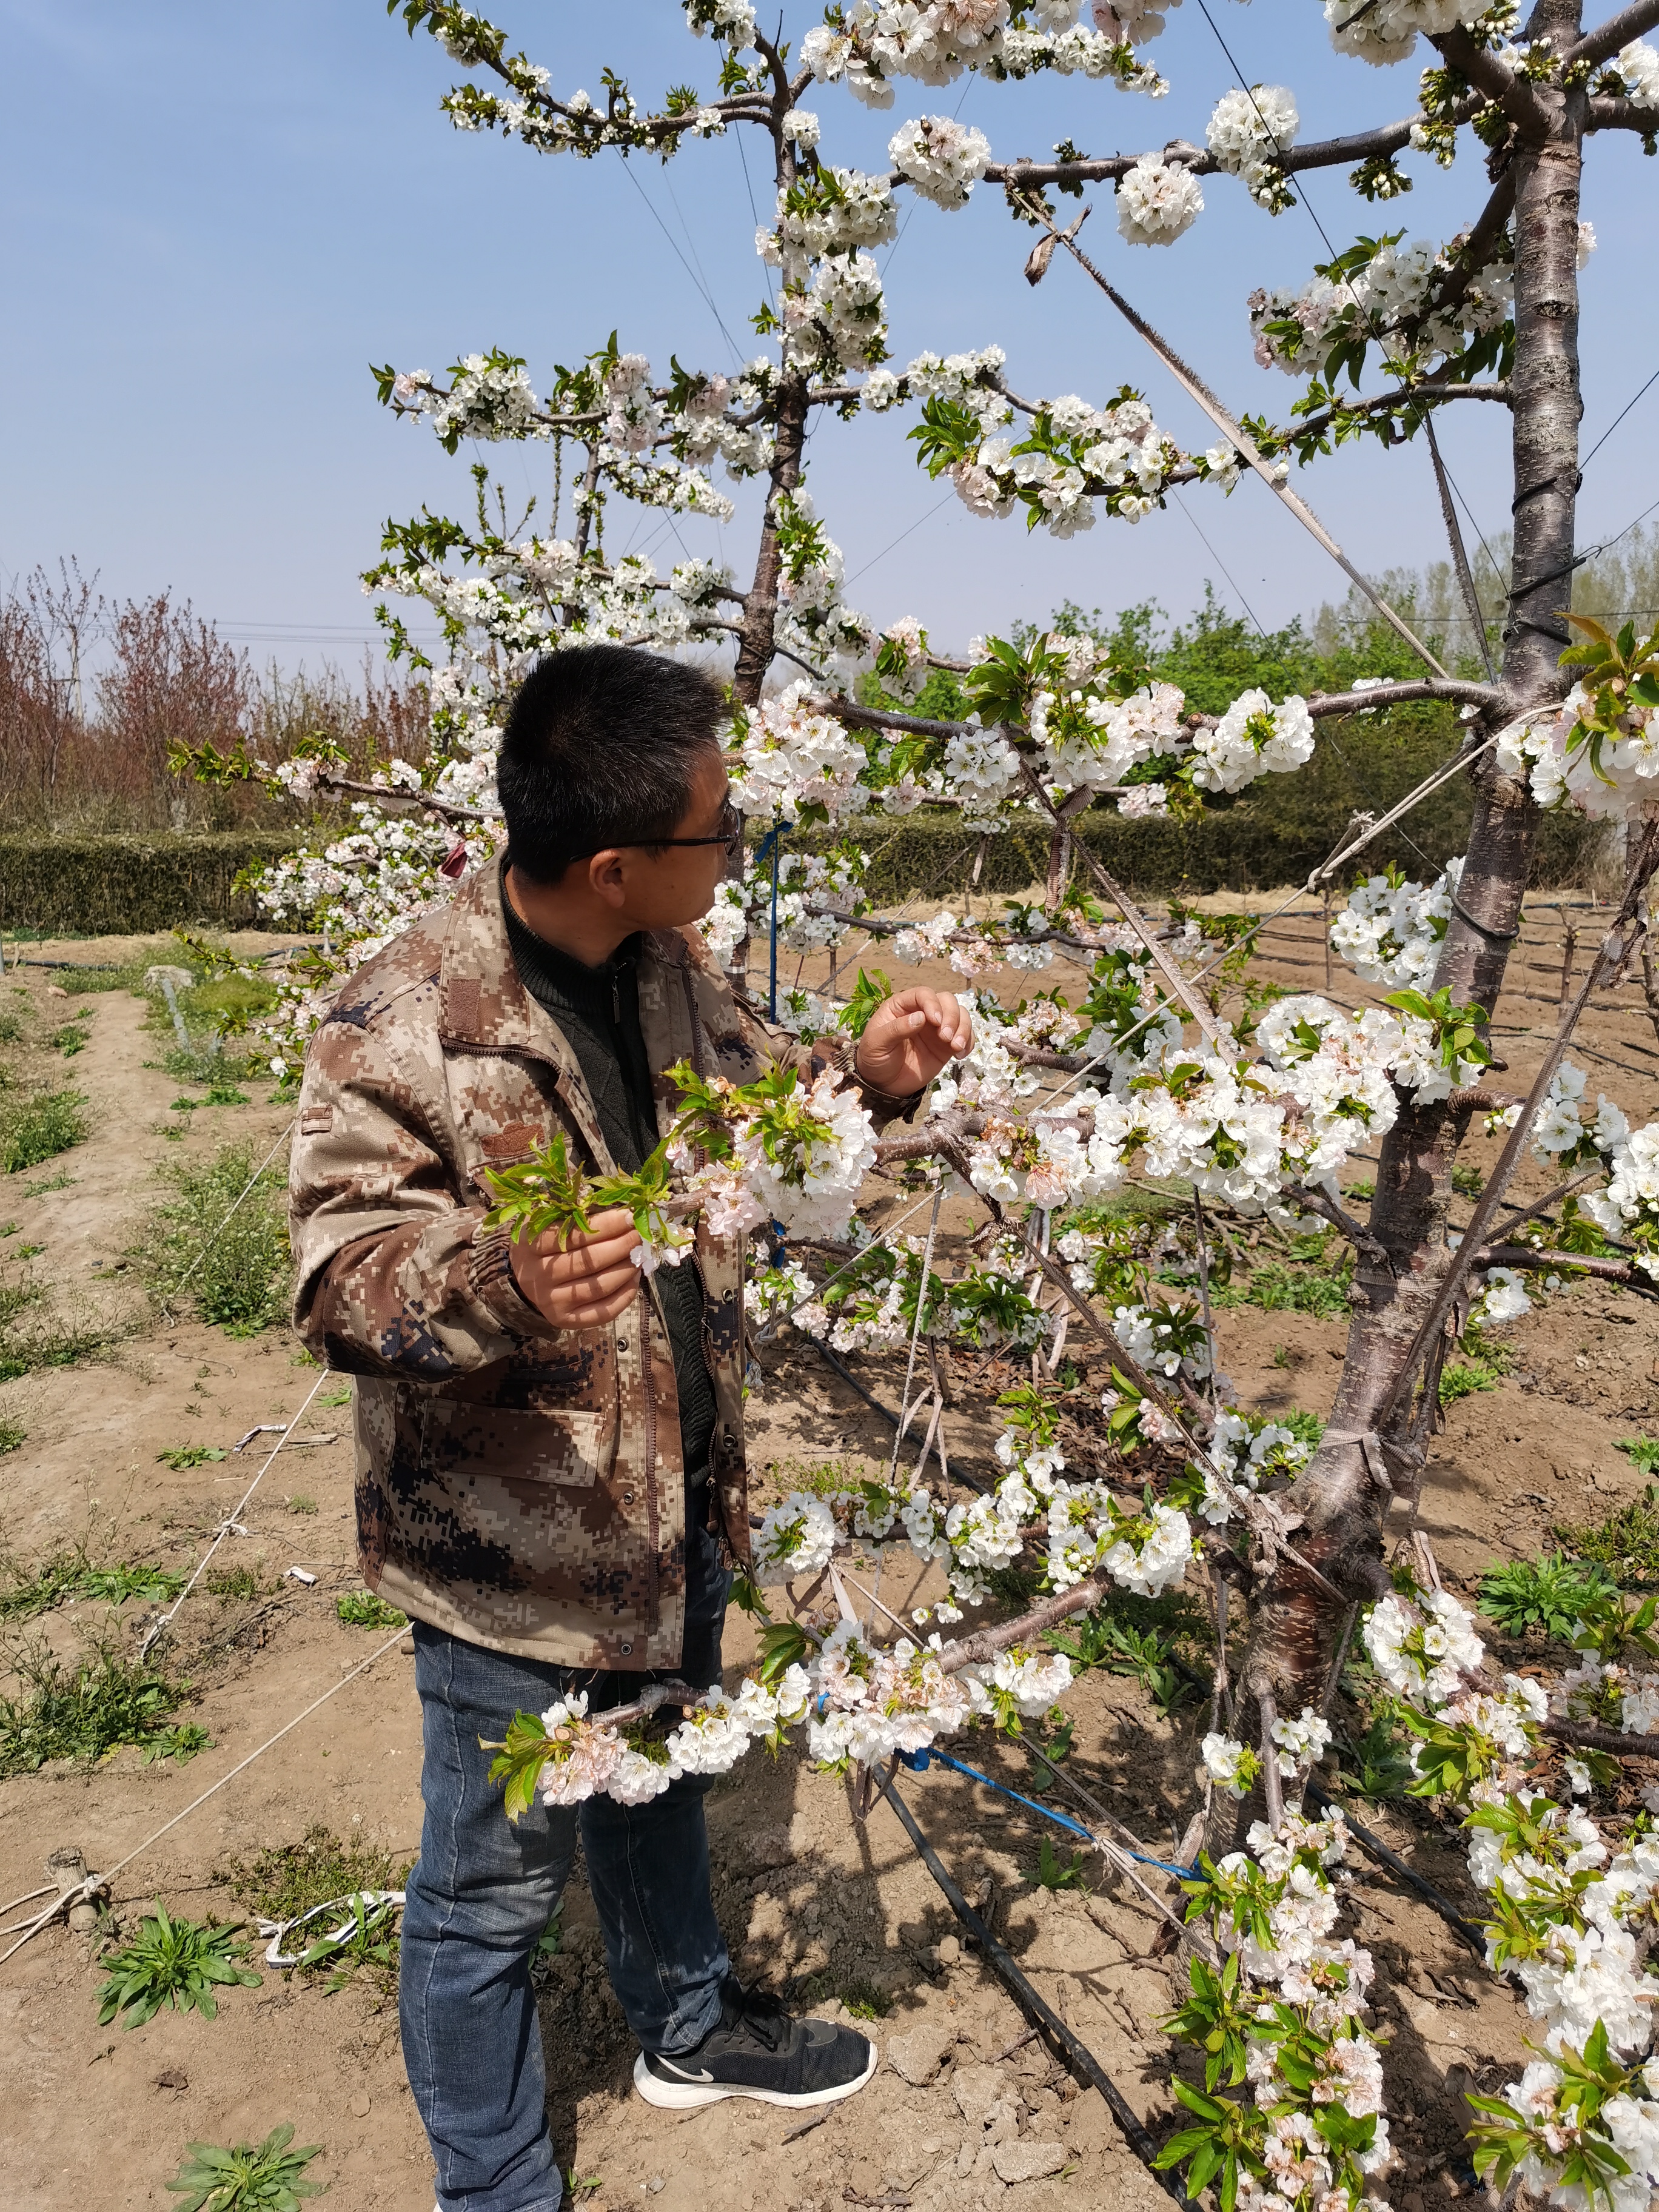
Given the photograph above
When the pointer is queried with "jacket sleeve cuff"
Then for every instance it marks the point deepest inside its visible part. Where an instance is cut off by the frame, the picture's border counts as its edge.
(492, 1282)
(883, 1105)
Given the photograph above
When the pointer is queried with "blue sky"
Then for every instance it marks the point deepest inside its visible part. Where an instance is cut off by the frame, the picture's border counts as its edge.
(220, 213)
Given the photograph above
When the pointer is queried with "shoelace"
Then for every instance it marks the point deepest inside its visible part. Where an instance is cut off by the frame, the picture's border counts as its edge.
(763, 2015)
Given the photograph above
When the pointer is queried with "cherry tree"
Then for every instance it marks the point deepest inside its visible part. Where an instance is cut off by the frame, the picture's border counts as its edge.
(1063, 1105)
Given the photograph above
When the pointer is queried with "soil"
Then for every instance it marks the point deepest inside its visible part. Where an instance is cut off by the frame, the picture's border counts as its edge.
(827, 1908)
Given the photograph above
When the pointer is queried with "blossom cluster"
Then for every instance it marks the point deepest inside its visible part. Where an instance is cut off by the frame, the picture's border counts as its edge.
(1389, 298)
(1569, 1914)
(1606, 777)
(872, 43)
(1284, 2017)
(1390, 930)
(1249, 133)
(1073, 455)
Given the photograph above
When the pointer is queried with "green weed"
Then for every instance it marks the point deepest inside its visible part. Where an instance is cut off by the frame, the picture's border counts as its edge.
(70, 1040)
(288, 1879)
(115, 1586)
(1462, 1379)
(368, 1943)
(241, 1281)
(178, 1963)
(70, 1574)
(1642, 1452)
(188, 1455)
(107, 1699)
(38, 1128)
(1277, 1288)
(300, 1503)
(44, 1186)
(1468, 1182)
(81, 981)
(11, 1027)
(49, 1342)
(362, 1609)
(1104, 1638)
(1377, 1764)
(227, 1583)
(206, 1067)
(1548, 1594)
(866, 2001)
(1052, 1871)
(1626, 1543)
(1306, 1428)
(13, 1435)
(266, 2176)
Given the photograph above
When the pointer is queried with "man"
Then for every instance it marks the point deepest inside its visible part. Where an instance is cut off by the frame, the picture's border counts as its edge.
(550, 1463)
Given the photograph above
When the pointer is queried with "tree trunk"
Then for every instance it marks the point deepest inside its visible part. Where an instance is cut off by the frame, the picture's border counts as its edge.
(760, 605)
(1342, 1504)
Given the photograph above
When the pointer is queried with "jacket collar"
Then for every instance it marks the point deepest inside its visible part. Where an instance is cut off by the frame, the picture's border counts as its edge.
(482, 1003)
(481, 999)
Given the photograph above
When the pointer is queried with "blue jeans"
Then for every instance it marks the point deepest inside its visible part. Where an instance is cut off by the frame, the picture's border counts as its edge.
(483, 1890)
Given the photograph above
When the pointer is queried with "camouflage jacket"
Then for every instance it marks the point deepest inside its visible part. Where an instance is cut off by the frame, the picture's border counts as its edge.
(517, 1485)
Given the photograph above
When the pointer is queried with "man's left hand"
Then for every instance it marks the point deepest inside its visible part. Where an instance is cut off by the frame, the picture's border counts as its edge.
(909, 1038)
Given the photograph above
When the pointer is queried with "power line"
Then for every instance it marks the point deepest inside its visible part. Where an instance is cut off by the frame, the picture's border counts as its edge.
(701, 287)
(1182, 504)
(1613, 425)
(903, 535)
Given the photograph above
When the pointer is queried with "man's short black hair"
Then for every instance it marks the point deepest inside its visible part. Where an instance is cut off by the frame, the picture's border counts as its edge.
(601, 748)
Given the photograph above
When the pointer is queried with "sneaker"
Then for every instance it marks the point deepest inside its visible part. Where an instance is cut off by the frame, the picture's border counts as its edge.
(758, 2050)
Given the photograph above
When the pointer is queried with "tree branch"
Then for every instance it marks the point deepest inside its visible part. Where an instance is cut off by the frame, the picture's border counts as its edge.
(1601, 1739)
(449, 809)
(1403, 395)
(1399, 694)
(1356, 1232)
(1591, 1263)
(1488, 227)
(1602, 43)
(1607, 111)
(1490, 77)
(1318, 154)
(878, 717)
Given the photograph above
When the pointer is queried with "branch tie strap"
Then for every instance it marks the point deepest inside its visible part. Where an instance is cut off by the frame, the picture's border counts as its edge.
(1493, 936)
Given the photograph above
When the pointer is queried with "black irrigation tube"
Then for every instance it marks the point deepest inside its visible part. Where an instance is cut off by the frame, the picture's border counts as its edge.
(1379, 1851)
(852, 1384)
(1082, 2060)
(876, 1406)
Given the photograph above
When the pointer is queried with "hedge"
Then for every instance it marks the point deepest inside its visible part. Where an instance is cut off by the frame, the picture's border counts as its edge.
(1274, 834)
(131, 885)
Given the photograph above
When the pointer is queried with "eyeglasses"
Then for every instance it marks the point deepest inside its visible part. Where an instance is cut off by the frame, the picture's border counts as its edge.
(728, 834)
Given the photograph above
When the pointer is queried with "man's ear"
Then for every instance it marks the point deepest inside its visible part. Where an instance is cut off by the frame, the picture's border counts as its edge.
(605, 878)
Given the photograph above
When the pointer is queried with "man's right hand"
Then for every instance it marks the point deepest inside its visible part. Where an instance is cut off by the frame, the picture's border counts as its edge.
(586, 1281)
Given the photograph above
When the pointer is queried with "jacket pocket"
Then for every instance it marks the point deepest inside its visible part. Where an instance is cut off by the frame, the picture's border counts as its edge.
(574, 1449)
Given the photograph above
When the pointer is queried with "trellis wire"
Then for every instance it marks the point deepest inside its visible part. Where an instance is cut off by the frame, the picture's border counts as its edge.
(96, 1882)
(165, 1620)
(166, 1302)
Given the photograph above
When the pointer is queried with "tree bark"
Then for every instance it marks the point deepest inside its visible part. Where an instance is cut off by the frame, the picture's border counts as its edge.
(760, 605)
(1339, 1495)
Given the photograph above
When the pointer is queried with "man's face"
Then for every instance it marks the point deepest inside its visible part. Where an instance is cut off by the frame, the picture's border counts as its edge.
(665, 889)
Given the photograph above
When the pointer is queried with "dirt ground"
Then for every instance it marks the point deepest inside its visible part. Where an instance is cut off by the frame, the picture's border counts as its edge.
(811, 1902)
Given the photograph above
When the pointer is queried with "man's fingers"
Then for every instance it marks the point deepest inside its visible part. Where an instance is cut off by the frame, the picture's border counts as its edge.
(591, 1284)
(596, 1317)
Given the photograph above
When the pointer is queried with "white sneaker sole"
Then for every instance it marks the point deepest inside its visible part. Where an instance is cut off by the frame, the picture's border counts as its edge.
(684, 2096)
